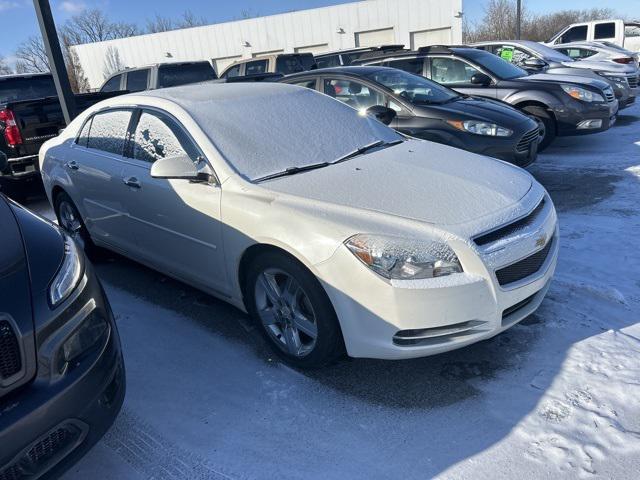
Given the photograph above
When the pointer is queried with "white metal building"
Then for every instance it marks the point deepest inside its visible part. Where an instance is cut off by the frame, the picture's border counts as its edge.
(365, 23)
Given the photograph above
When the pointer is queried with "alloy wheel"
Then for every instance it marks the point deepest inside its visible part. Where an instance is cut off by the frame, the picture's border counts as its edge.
(286, 312)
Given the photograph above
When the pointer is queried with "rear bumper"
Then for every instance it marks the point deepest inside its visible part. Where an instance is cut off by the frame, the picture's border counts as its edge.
(62, 418)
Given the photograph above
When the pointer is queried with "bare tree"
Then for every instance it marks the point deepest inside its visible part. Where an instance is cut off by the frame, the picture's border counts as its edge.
(189, 20)
(31, 56)
(94, 26)
(112, 62)
(5, 69)
(159, 24)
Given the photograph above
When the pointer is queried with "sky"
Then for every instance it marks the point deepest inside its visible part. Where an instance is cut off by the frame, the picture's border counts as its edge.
(19, 21)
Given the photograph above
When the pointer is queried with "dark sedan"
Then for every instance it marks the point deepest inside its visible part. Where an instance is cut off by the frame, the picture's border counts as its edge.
(62, 377)
(427, 110)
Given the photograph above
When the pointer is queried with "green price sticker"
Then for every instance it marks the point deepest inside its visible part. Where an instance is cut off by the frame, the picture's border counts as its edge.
(507, 53)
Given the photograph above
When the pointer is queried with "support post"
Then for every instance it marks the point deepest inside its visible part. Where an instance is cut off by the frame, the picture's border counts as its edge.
(56, 59)
(518, 18)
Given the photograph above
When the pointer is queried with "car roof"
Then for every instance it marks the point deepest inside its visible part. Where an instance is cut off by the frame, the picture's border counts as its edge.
(24, 75)
(346, 70)
(526, 43)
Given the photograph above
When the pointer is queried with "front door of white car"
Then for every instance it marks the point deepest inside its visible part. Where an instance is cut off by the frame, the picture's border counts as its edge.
(95, 166)
(176, 222)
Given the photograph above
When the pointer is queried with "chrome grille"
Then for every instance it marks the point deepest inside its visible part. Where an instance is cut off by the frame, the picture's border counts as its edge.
(525, 142)
(10, 359)
(525, 267)
(511, 228)
(633, 81)
(609, 95)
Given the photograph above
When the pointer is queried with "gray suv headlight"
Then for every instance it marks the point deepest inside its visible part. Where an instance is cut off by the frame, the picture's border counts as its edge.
(583, 94)
(404, 259)
(68, 275)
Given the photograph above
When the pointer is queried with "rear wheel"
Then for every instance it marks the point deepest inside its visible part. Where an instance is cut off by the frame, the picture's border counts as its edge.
(71, 222)
(293, 311)
(547, 125)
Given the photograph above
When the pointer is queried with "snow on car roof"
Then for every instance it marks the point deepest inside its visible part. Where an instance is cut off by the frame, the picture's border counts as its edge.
(265, 128)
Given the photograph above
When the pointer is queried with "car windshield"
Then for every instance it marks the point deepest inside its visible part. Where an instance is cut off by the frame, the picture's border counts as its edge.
(14, 89)
(550, 54)
(265, 128)
(414, 88)
(495, 65)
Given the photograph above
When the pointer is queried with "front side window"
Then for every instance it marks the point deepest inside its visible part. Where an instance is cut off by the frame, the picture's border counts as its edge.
(328, 61)
(354, 94)
(108, 131)
(137, 80)
(513, 54)
(306, 83)
(113, 85)
(451, 71)
(578, 53)
(158, 137)
(256, 67)
(289, 64)
(574, 34)
(604, 31)
(232, 72)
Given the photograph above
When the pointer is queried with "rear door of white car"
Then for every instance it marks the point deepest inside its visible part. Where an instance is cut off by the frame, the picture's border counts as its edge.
(95, 168)
(176, 222)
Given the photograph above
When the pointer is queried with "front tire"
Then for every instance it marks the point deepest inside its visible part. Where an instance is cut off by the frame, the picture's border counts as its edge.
(71, 222)
(548, 124)
(292, 311)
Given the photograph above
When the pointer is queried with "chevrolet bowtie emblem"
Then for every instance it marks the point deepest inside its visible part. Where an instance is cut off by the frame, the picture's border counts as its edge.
(541, 241)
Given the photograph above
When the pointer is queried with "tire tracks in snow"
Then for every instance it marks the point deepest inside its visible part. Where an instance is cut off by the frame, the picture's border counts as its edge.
(154, 456)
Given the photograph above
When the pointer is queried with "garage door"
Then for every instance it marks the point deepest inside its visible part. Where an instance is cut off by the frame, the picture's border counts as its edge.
(436, 36)
(373, 38)
(321, 47)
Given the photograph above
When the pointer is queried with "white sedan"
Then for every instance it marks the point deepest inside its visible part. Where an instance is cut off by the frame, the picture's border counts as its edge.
(333, 231)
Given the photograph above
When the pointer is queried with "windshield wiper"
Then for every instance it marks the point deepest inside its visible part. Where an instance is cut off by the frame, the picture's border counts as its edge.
(292, 171)
(361, 150)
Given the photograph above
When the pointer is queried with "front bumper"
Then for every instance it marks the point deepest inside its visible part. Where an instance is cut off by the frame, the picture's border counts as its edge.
(47, 425)
(408, 319)
(573, 112)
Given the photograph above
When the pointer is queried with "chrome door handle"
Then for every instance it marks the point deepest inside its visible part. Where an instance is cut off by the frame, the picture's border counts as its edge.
(73, 165)
(132, 182)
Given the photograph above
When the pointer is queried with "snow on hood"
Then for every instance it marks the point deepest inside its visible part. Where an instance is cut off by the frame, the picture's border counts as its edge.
(418, 180)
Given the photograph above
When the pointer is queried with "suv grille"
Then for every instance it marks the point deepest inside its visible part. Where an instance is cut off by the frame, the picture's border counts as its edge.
(527, 138)
(524, 268)
(609, 95)
(511, 228)
(10, 361)
(633, 81)
(44, 454)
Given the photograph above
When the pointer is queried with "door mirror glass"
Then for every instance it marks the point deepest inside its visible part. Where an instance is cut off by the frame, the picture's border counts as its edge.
(382, 113)
(534, 63)
(481, 79)
(4, 163)
(181, 167)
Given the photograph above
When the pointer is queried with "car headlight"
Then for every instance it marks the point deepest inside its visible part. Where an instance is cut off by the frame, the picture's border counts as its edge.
(397, 258)
(68, 275)
(92, 331)
(583, 94)
(480, 128)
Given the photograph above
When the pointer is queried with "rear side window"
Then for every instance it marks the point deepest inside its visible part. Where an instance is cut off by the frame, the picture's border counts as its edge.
(108, 131)
(26, 88)
(184, 74)
(451, 71)
(287, 65)
(632, 30)
(604, 31)
(113, 85)
(306, 83)
(256, 67)
(411, 65)
(328, 61)
(232, 72)
(137, 80)
(574, 34)
(157, 136)
(577, 53)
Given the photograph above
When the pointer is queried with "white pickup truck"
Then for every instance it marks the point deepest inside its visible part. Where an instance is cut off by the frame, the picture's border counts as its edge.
(622, 33)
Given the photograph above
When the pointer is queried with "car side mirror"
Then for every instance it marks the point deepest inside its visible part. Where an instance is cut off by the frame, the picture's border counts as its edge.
(180, 167)
(382, 113)
(4, 162)
(534, 63)
(481, 79)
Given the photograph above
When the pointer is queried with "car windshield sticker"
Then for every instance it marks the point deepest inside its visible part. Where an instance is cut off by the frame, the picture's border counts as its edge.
(506, 53)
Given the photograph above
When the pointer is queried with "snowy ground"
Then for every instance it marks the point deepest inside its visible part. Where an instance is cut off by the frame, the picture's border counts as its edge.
(555, 397)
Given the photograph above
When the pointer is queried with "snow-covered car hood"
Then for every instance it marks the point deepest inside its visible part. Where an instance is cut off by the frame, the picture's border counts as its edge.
(602, 66)
(417, 180)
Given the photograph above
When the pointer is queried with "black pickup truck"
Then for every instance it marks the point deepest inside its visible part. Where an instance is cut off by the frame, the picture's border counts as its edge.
(30, 114)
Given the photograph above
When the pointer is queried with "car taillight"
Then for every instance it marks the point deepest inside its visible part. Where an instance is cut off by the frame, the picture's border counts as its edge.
(11, 130)
(624, 60)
